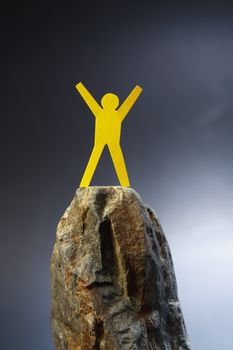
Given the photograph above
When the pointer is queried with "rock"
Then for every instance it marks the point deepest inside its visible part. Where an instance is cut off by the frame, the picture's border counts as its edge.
(113, 282)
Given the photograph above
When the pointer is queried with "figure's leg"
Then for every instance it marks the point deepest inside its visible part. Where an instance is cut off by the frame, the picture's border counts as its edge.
(91, 166)
(119, 163)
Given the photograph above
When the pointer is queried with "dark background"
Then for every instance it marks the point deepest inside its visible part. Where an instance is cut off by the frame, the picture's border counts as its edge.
(177, 141)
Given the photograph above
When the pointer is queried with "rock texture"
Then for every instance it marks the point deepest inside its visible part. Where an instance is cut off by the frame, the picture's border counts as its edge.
(113, 282)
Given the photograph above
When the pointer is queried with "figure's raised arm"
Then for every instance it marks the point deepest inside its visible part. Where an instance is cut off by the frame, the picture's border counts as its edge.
(88, 98)
(129, 102)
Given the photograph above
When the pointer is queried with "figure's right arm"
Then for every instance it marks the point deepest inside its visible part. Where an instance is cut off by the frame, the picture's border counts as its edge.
(88, 98)
(129, 102)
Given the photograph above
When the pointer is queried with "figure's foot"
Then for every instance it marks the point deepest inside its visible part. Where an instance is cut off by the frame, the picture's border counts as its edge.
(125, 184)
(83, 184)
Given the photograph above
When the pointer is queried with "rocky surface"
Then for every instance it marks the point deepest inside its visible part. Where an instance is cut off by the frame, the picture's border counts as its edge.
(113, 282)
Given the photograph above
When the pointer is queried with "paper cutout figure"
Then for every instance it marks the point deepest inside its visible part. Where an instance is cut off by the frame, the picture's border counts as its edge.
(108, 131)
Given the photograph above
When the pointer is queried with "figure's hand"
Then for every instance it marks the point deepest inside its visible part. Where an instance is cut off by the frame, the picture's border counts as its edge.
(139, 89)
(79, 86)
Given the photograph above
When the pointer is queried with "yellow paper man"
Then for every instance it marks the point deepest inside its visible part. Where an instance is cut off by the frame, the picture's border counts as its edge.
(107, 131)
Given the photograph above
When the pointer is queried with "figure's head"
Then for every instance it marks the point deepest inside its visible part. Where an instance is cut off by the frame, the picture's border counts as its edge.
(110, 101)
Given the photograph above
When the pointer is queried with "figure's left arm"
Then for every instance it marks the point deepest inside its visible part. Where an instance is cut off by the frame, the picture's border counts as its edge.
(129, 102)
(88, 98)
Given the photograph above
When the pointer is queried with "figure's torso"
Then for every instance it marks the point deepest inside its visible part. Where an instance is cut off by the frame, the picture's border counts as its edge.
(107, 127)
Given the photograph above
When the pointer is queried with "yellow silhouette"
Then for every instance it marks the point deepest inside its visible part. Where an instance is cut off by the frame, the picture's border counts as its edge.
(108, 131)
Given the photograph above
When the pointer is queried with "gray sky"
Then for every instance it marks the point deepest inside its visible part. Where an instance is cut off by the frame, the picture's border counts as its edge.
(177, 141)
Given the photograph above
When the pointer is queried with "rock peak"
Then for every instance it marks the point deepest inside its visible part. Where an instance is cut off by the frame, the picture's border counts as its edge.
(113, 282)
